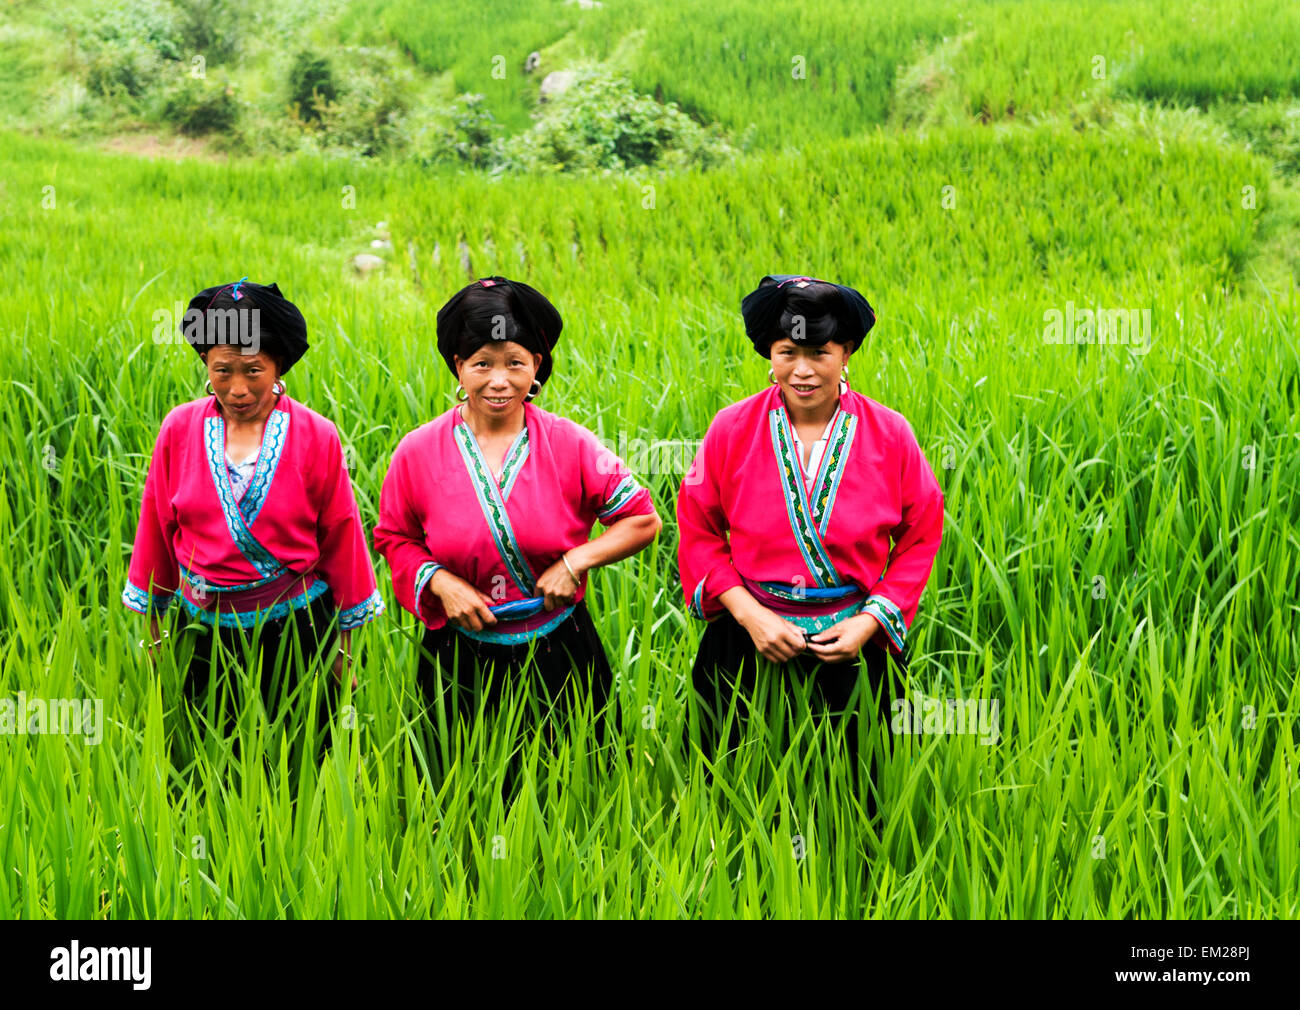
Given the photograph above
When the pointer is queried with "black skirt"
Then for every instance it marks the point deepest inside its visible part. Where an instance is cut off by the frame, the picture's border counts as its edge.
(568, 659)
(287, 647)
(727, 666)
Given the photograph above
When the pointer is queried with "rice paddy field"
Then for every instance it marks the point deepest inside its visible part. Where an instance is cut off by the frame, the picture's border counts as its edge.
(1120, 557)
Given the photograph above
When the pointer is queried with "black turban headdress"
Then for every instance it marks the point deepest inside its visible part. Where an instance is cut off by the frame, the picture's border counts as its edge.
(829, 311)
(469, 320)
(224, 315)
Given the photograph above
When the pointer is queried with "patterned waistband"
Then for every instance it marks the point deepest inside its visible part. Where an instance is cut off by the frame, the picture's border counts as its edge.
(202, 585)
(791, 601)
(518, 632)
(820, 622)
(229, 610)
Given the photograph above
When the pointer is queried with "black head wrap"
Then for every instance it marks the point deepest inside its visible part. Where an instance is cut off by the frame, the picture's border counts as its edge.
(225, 315)
(470, 319)
(829, 312)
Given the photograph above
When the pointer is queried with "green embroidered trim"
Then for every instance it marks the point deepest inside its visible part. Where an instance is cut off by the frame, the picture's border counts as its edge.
(422, 576)
(626, 489)
(251, 618)
(145, 602)
(696, 607)
(883, 610)
(796, 503)
(515, 457)
(494, 510)
(832, 469)
(266, 564)
(363, 613)
(268, 461)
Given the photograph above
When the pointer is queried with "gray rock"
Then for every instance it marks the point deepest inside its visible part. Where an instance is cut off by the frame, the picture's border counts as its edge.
(556, 83)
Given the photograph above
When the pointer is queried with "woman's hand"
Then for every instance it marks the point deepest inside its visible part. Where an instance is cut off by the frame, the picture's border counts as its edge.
(154, 642)
(623, 539)
(843, 641)
(557, 585)
(462, 603)
(341, 661)
(774, 637)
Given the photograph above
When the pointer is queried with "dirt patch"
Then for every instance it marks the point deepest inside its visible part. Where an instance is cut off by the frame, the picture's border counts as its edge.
(150, 145)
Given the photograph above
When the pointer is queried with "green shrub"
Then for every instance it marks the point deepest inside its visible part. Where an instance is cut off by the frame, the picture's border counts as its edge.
(369, 118)
(210, 27)
(474, 127)
(196, 106)
(152, 24)
(122, 67)
(311, 84)
(601, 123)
(465, 134)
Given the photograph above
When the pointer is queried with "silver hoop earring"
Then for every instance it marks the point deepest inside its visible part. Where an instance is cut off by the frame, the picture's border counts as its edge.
(279, 383)
(771, 376)
(461, 389)
(533, 392)
(207, 386)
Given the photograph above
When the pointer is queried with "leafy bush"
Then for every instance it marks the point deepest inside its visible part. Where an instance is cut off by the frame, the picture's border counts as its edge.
(125, 45)
(466, 134)
(151, 24)
(473, 130)
(311, 83)
(369, 117)
(122, 67)
(196, 106)
(601, 123)
(210, 27)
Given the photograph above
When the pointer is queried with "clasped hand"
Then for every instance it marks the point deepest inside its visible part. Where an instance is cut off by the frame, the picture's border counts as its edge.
(780, 641)
(465, 606)
(557, 585)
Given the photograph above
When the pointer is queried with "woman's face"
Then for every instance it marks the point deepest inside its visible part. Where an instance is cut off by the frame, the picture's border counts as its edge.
(497, 377)
(809, 376)
(244, 383)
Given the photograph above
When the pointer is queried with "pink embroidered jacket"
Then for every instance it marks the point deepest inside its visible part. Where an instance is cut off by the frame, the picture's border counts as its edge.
(745, 517)
(293, 532)
(440, 507)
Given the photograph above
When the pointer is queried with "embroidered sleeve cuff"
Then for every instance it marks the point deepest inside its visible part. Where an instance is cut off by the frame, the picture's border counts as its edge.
(890, 618)
(363, 613)
(627, 491)
(696, 607)
(722, 579)
(146, 603)
(422, 576)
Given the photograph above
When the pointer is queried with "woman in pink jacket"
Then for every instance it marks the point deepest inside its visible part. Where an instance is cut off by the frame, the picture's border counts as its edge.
(809, 521)
(248, 523)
